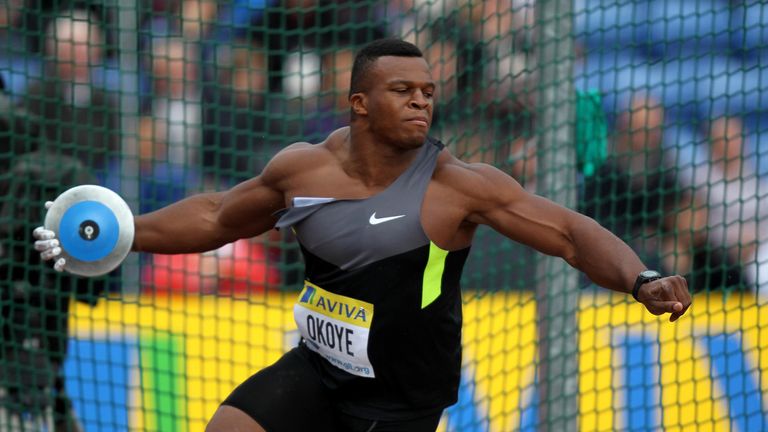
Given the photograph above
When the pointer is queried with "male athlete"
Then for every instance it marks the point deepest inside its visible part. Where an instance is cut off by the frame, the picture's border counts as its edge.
(385, 218)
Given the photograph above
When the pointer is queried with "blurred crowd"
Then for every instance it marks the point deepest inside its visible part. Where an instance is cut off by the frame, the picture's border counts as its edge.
(223, 86)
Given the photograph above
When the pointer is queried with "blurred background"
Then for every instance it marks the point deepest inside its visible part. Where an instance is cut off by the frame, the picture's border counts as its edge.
(647, 115)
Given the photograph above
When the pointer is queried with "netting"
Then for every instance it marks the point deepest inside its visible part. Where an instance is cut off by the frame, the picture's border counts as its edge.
(647, 115)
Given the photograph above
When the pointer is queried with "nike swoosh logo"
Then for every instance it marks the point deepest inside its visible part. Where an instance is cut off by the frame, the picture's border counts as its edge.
(375, 221)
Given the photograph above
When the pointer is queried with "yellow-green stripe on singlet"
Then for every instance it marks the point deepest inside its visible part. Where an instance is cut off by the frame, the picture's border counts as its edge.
(433, 275)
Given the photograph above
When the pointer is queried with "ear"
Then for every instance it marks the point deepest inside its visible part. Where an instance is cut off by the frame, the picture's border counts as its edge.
(359, 103)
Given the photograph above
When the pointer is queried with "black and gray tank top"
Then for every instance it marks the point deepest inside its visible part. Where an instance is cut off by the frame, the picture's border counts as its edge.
(380, 310)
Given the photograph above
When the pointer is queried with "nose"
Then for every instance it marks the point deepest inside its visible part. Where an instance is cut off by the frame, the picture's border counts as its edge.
(419, 101)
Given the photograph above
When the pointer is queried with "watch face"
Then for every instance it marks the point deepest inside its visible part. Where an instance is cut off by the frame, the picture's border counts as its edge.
(650, 274)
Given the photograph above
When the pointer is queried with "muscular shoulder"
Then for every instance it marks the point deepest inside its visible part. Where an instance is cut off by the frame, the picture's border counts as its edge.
(298, 159)
(474, 184)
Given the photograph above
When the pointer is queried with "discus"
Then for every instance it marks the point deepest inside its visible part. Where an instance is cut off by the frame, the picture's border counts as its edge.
(94, 226)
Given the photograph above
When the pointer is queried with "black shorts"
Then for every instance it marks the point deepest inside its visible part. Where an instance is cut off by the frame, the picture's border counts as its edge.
(289, 396)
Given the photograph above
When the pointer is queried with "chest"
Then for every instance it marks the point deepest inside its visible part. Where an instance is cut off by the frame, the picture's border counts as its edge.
(354, 233)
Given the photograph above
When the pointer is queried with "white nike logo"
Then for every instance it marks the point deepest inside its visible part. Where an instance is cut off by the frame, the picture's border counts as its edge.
(375, 221)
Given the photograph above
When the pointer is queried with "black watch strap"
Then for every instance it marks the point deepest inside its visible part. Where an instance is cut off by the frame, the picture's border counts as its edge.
(643, 278)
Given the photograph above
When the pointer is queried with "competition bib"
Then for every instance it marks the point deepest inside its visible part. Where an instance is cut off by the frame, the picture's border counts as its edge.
(336, 327)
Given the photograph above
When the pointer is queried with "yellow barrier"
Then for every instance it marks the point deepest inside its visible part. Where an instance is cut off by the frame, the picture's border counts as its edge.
(226, 340)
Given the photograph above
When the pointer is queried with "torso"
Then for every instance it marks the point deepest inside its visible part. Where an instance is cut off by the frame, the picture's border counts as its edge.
(444, 209)
(381, 304)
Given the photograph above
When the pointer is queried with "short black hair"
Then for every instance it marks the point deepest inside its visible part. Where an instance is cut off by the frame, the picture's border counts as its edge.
(365, 58)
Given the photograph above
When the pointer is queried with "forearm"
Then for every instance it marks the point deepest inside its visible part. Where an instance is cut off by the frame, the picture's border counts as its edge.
(604, 258)
(187, 226)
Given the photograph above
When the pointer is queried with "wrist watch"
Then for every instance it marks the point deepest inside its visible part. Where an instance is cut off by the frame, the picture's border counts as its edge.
(645, 276)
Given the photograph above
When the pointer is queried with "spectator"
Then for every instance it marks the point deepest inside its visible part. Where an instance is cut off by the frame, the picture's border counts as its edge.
(197, 18)
(17, 134)
(505, 30)
(735, 196)
(16, 63)
(455, 60)
(237, 269)
(78, 117)
(175, 113)
(636, 186)
(235, 18)
(170, 130)
(638, 194)
(238, 130)
(34, 299)
(630, 192)
(407, 19)
(191, 19)
(333, 110)
(292, 26)
(521, 156)
(10, 14)
(79, 137)
(236, 139)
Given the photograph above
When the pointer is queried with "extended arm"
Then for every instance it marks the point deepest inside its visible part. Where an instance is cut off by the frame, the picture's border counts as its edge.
(503, 204)
(205, 221)
(209, 220)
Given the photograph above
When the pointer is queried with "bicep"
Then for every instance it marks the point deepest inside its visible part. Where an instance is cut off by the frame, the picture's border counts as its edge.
(248, 209)
(502, 204)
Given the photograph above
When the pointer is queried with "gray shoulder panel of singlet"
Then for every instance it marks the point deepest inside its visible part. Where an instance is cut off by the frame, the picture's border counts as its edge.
(354, 233)
(302, 208)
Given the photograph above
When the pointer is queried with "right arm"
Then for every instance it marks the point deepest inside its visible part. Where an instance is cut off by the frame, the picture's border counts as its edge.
(208, 221)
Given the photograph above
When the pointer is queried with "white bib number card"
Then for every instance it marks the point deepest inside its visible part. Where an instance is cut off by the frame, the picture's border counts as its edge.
(336, 327)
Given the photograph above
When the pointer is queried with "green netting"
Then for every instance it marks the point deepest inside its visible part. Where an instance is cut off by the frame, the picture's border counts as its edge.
(647, 115)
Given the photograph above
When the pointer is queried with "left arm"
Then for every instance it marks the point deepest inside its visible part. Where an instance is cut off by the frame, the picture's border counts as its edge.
(500, 202)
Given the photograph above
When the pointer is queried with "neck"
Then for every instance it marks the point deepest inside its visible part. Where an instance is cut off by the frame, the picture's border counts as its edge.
(371, 160)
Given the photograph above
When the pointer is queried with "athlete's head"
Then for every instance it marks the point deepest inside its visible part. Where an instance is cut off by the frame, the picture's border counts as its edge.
(391, 92)
(367, 56)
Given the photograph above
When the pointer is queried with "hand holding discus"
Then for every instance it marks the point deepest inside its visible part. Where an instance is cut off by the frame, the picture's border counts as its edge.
(88, 231)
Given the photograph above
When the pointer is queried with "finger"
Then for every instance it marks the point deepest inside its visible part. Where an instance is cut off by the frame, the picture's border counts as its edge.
(48, 204)
(686, 305)
(676, 315)
(667, 290)
(59, 265)
(41, 233)
(43, 245)
(682, 293)
(50, 253)
(668, 306)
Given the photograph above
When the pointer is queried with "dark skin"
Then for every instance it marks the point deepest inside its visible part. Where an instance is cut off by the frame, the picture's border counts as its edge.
(391, 119)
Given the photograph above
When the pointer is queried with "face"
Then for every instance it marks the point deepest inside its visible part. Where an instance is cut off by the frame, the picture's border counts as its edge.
(645, 129)
(640, 128)
(337, 73)
(249, 76)
(173, 68)
(726, 137)
(75, 49)
(399, 101)
(197, 15)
